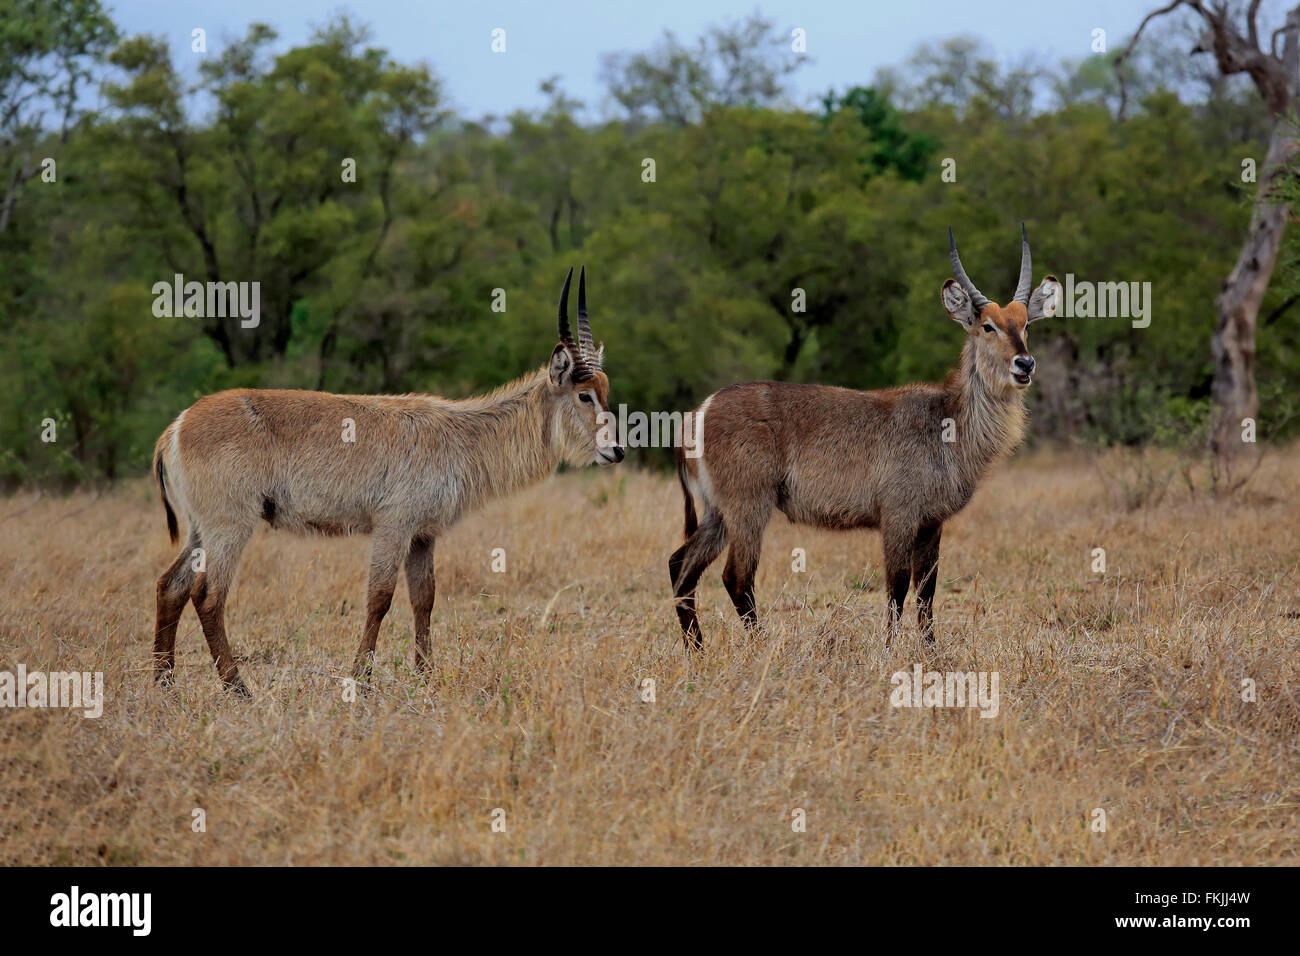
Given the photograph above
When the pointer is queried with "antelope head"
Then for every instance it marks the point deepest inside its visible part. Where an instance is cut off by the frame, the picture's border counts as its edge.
(580, 388)
(998, 331)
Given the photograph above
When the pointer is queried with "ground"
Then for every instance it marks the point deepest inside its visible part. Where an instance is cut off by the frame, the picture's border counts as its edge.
(1127, 731)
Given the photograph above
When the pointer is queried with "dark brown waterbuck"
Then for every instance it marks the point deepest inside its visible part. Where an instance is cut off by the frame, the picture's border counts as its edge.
(903, 459)
(401, 468)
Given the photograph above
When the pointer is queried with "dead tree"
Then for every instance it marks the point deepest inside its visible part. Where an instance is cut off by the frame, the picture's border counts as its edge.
(1233, 345)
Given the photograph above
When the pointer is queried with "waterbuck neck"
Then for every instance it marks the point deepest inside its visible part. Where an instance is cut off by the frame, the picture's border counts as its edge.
(507, 437)
(990, 416)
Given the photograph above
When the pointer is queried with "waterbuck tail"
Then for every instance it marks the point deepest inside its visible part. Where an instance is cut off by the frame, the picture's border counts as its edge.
(160, 472)
(692, 522)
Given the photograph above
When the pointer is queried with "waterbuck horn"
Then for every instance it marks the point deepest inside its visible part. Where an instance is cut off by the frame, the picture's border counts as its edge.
(1025, 286)
(977, 298)
(581, 372)
(589, 352)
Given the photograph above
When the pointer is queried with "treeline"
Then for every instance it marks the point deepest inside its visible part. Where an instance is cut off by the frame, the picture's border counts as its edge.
(728, 234)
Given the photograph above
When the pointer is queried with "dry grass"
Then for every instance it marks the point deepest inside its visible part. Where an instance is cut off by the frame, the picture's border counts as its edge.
(1119, 691)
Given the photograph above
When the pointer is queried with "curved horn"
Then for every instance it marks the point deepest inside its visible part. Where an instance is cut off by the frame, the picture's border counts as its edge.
(1025, 285)
(589, 352)
(566, 334)
(977, 298)
(580, 370)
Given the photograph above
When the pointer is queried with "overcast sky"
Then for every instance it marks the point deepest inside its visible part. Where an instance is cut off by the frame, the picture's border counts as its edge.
(847, 39)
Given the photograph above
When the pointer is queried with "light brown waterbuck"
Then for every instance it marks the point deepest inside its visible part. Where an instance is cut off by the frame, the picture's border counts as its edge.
(401, 468)
(903, 459)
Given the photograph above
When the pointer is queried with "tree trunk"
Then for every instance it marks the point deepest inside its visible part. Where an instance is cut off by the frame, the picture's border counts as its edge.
(1233, 344)
(11, 193)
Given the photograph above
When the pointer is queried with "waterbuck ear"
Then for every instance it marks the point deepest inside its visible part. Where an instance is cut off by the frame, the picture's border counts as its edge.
(561, 368)
(1046, 299)
(958, 303)
(600, 355)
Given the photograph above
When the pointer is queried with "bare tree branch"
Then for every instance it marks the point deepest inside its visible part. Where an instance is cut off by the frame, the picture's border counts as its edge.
(1233, 52)
(1128, 50)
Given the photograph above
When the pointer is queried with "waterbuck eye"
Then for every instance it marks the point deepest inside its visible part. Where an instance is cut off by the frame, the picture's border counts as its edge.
(584, 397)
(989, 328)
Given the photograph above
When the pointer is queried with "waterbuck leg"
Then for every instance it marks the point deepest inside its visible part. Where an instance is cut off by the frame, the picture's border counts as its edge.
(738, 575)
(684, 603)
(898, 568)
(925, 576)
(387, 549)
(221, 551)
(173, 594)
(685, 567)
(420, 585)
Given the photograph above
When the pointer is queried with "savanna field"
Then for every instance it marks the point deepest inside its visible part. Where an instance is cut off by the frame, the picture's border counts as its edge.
(1120, 691)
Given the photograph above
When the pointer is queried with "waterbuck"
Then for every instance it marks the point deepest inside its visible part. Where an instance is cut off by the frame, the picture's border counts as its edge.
(402, 468)
(903, 459)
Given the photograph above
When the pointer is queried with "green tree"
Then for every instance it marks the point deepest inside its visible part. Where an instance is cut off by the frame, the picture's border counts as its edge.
(743, 63)
(264, 193)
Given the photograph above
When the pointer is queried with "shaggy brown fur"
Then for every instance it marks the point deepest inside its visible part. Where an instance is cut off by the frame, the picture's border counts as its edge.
(401, 468)
(838, 458)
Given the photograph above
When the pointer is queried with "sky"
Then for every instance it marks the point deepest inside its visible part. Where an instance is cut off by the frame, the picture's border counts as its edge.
(847, 40)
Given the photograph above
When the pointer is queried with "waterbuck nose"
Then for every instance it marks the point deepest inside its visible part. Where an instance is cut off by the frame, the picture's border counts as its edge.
(619, 453)
(1025, 363)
